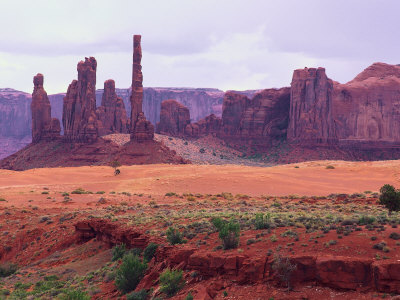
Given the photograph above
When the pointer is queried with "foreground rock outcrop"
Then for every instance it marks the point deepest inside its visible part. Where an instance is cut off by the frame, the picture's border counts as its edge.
(112, 117)
(44, 128)
(79, 108)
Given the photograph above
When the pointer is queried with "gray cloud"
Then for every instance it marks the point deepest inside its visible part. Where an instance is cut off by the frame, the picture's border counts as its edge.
(225, 44)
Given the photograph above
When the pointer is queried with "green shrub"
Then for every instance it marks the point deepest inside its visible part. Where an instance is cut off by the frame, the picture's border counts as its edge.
(283, 269)
(130, 272)
(189, 296)
(79, 191)
(171, 281)
(140, 295)
(7, 269)
(118, 252)
(330, 167)
(228, 232)
(202, 150)
(75, 295)
(174, 236)
(390, 198)
(365, 220)
(170, 194)
(149, 252)
(262, 221)
(394, 236)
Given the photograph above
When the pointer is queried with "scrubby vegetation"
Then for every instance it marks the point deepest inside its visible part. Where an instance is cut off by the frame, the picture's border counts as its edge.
(130, 273)
(171, 281)
(228, 232)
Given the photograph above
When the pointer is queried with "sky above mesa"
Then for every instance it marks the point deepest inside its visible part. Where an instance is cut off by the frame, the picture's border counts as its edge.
(247, 44)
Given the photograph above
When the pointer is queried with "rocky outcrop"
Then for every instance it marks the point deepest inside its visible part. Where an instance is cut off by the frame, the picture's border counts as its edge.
(233, 108)
(79, 107)
(262, 119)
(366, 110)
(310, 116)
(174, 118)
(210, 125)
(110, 233)
(43, 126)
(111, 113)
(141, 129)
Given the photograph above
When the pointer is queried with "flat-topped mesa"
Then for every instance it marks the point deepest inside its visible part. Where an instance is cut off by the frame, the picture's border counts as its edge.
(112, 117)
(174, 117)
(79, 107)
(310, 114)
(43, 126)
(137, 116)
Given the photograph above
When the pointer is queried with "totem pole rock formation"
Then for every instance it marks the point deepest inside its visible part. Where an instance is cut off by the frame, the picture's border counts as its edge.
(111, 114)
(311, 120)
(174, 117)
(79, 107)
(43, 126)
(141, 129)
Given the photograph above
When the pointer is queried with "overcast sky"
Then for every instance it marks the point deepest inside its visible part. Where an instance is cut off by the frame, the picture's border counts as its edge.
(231, 44)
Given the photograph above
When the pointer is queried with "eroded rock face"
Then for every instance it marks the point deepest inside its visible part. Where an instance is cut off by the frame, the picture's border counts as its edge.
(210, 125)
(174, 118)
(267, 115)
(366, 110)
(233, 108)
(43, 126)
(111, 114)
(79, 107)
(144, 130)
(311, 120)
(141, 129)
(262, 118)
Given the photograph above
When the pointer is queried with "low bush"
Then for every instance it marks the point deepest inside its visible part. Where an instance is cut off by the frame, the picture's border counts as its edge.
(228, 232)
(174, 236)
(7, 269)
(171, 281)
(262, 221)
(149, 252)
(118, 252)
(283, 269)
(140, 295)
(74, 295)
(130, 272)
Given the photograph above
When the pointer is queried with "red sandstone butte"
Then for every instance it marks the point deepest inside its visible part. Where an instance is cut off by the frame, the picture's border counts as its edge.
(310, 116)
(112, 117)
(79, 108)
(174, 117)
(43, 126)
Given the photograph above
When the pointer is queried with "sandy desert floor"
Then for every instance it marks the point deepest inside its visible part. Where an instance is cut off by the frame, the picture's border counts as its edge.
(309, 178)
(313, 210)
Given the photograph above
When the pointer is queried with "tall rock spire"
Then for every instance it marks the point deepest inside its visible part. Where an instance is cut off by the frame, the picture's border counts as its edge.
(141, 129)
(43, 126)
